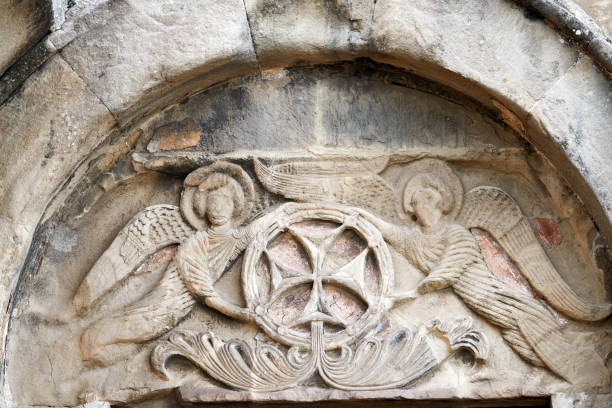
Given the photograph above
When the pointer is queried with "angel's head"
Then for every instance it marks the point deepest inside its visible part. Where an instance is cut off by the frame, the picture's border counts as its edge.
(219, 198)
(428, 198)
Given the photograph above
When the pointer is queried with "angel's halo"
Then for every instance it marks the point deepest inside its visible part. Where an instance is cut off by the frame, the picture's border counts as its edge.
(439, 169)
(198, 176)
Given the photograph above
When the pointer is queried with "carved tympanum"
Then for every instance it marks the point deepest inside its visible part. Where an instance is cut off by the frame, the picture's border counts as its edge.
(317, 277)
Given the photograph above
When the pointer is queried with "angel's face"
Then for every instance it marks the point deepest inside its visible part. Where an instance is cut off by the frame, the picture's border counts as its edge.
(426, 203)
(219, 206)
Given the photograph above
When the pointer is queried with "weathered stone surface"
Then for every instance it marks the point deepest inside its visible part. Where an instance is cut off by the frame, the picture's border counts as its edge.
(347, 105)
(547, 231)
(22, 24)
(117, 56)
(347, 134)
(128, 303)
(523, 60)
(175, 136)
(14, 77)
(526, 63)
(601, 11)
(576, 114)
(575, 24)
(292, 32)
(47, 128)
(581, 400)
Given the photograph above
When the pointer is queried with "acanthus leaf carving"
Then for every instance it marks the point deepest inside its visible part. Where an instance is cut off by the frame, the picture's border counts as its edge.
(373, 364)
(461, 334)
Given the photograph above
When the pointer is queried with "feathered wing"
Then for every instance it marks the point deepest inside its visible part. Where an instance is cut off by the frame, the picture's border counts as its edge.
(151, 229)
(528, 327)
(494, 211)
(114, 338)
(352, 182)
(576, 366)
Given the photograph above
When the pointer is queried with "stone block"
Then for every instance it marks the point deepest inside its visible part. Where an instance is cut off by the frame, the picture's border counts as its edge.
(523, 60)
(289, 32)
(600, 11)
(22, 24)
(581, 400)
(138, 53)
(576, 114)
(176, 136)
(46, 130)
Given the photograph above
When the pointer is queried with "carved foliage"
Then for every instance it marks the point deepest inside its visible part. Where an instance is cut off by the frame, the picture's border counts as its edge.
(372, 364)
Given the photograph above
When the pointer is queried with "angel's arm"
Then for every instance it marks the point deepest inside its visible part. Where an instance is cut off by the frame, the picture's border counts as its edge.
(390, 232)
(245, 235)
(150, 230)
(192, 261)
(461, 251)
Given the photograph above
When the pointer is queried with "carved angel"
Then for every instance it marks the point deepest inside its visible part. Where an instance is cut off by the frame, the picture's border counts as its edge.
(207, 226)
(449, 255)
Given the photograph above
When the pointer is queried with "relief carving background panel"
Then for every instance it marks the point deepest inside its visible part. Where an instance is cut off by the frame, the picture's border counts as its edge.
(332, 125)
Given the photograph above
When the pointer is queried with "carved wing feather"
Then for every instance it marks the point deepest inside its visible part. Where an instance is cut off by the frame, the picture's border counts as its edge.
(528, 326)
(496, 212)
(556, 351)
(353, 183)
(150, 230)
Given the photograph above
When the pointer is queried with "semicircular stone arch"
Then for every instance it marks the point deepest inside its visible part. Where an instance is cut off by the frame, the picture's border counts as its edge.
(351, 97)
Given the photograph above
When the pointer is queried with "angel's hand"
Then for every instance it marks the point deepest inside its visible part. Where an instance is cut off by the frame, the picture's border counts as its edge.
(435, 282)
(405, 296)
(383, 226)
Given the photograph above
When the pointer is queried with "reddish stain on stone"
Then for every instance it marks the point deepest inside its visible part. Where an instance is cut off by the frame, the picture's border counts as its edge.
(342, 304)
(372, 274)
(500, 264)
(290, 305)
(502, 267)
(346, 248)
(178, 135)
(160, 257)
(286, 251)
(547, 231)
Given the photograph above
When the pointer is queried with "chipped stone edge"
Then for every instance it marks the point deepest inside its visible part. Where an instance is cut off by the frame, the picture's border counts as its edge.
(62, 32)
(571, 20)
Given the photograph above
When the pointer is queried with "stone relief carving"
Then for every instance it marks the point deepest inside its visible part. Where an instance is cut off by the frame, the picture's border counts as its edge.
(440, 245)
(214, 201)
(355, 183)
(317, 277)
